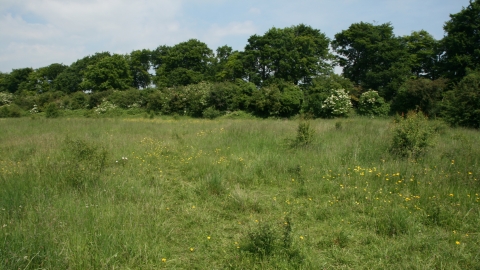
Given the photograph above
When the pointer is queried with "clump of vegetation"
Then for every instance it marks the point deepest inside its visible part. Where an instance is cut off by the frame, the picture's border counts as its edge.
(305, 135)
(372, 104)
(51, 111)
(412, 135)
(211, 113)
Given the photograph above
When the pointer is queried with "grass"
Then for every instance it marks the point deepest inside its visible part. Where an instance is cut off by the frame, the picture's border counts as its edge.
(141, 193)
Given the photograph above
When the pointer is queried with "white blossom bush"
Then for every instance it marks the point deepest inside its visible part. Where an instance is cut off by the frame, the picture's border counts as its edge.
(338, 104)
(5, 98)
(372, 104)
(34, 110)
(105, 107)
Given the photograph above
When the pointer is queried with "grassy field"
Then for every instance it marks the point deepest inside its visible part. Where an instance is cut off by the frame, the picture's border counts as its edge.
(233, 194)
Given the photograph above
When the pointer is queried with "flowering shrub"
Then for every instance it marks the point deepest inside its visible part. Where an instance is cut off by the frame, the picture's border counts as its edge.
(104, 107)
(5, 98)
(371, 104)
(34, 110)
(337, 104)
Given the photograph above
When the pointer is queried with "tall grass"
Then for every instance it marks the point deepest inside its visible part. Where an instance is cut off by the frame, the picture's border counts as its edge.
(163, 193)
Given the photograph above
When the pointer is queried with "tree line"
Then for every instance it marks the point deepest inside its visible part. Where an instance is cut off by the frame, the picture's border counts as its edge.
(280, 73)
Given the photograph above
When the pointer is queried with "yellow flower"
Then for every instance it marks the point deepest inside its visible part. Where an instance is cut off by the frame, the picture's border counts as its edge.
(301, 237)
(451, 195)
(192, 249)
(457, 242)
(164, 260)
(208, 237)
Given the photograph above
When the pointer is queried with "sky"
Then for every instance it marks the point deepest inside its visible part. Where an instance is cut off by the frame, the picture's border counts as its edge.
(37, 33)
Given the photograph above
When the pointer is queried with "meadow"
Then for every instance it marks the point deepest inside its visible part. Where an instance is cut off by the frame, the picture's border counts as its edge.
(183, 193)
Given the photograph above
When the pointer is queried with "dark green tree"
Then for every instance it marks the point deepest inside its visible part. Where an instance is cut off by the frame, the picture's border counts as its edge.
(108, 73)
(41, 80)
(425, 52)
(372, 57)
(139, 63)
(294, 54)
(462, 42)
(69, 80)
(183, 64)
(14, 81)
(462, 104)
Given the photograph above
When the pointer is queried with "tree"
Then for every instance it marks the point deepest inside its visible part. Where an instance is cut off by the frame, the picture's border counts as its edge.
(462, 42)
(108, 73)
(69, 80)
(185, 63)
(41, 80)
(294, 54)
(139, 63)
(424, 52)
(12, 82)
(372, 57)
(462, 104)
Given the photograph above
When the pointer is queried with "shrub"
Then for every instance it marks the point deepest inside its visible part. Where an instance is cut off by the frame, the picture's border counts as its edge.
(337, 104)
(305, 135)
(211, 113)
(372, 104)
(11, 110)
(412, 135)
(51, 111)
(462, 104)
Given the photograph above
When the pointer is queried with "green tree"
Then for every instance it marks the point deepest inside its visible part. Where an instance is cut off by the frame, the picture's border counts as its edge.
(139, 63)
(424, 51)
(420, 94)
(69, 80)
(294, 54)
(372, 57)
(183, 64)
(461, 42)
(462, 104)
(41, 79)
(108, 73)
(15, 80)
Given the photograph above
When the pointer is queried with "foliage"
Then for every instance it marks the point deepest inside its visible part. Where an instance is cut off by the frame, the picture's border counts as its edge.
(420, 94)
(338, 104)
(372, 57)
(108, 73)
(424, 51)
(139, 63)
(13, 81)
(11, 110)
(6, 98)
(412, 136)
(211, 113)
(305, 135)
(461, 42)
(294, 54)
(462, 104)
(280, 99)
(105, 107)
(320, 89)
(183, 64)
(51, 111)
(371, 104)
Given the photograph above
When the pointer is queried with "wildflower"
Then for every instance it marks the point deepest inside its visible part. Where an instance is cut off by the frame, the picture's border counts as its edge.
(451, 195)
(457, 242)
(164, 260)
(192, 249)
(208, 237)
(301, 237)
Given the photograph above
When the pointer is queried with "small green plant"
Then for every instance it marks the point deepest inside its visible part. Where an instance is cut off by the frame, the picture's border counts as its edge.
(263, 241)
(305, 135)
(211, 113)
(338, 125)
(412, 136)
(51, 111)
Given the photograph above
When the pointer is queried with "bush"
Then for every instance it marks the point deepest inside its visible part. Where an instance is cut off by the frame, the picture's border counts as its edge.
(51, 111)
(462, 104)
(211, 113)
(305, 135)
(372, 104)
(412, 136)
(337, 104)
(12, 110)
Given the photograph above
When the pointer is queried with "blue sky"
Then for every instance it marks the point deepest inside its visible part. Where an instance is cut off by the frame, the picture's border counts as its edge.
(37, 33)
